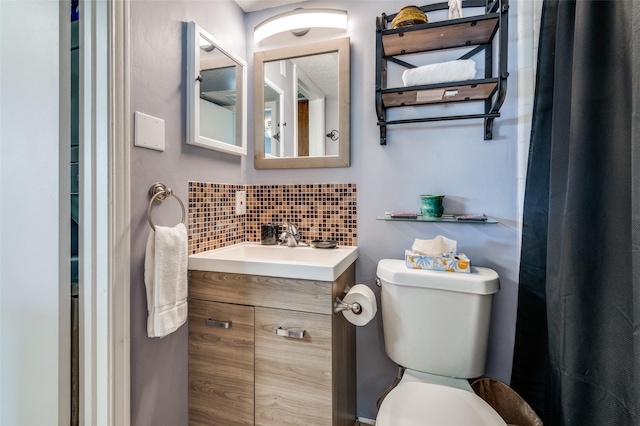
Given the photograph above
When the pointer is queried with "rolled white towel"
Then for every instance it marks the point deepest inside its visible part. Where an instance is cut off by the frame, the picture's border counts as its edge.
(455, 9)
(459, 70)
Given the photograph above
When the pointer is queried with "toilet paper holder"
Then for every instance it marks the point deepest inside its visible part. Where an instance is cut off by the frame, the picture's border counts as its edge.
(339, 305)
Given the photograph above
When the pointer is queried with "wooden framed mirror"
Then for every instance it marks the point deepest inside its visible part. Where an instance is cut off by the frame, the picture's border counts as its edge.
(302, 106)
(216, 94)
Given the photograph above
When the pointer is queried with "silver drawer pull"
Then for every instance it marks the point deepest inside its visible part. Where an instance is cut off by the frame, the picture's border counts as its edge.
(290, 333)
(215, 323)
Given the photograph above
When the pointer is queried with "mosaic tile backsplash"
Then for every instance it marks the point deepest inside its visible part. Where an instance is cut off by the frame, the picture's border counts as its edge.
(320, 211)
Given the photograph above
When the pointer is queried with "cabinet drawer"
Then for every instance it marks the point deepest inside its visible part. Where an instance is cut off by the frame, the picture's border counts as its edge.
(270, 292)
(293, 375)
(221, 380)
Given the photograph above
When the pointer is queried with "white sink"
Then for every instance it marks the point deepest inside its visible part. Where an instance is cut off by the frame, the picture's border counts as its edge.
(305, 263)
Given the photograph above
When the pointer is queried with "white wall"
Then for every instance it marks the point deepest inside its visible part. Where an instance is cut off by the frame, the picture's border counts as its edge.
(29, 213)
(449, 157)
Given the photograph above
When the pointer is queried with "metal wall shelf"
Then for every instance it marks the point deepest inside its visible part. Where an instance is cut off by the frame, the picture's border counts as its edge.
(479, 31)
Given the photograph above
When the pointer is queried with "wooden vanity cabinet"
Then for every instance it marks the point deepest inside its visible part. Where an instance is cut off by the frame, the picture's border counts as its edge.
(293, 376)
(221, 379)
(305, 378)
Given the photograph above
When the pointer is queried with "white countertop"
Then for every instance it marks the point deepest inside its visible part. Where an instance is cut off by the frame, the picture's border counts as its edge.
(305, 263)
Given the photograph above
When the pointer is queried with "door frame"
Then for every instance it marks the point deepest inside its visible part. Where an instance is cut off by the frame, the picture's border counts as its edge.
(105, 214)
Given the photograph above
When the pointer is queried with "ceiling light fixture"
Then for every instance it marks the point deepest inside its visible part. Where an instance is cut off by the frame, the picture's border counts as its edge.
(299, 21)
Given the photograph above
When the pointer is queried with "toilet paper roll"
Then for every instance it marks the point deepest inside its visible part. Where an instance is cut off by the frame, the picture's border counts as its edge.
(363, 295)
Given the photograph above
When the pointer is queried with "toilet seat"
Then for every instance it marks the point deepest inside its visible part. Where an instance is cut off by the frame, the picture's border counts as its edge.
(427, 404)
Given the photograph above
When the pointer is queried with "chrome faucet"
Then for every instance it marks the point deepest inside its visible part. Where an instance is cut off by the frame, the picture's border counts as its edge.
(290, 235)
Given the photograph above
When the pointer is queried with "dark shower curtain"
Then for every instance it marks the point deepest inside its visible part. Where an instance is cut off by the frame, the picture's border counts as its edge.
(577, 351)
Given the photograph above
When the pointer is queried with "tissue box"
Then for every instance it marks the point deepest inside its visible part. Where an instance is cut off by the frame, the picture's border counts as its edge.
(457, 263)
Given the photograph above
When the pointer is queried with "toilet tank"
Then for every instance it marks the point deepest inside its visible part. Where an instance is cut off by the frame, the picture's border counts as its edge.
(434, 321)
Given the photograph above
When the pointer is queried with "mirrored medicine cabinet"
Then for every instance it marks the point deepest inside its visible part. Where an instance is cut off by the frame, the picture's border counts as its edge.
(216, 94)
(302, 106)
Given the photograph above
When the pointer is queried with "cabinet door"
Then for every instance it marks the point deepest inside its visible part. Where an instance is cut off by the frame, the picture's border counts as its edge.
(293, 374)
(221, 359)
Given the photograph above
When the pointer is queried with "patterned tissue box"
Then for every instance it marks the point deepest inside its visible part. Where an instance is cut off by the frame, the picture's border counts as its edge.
(447, 263)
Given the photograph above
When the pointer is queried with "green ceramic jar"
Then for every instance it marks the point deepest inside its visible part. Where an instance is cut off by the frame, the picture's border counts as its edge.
(431, 205)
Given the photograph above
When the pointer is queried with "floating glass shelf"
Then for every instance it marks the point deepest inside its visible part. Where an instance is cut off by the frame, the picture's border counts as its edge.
(446, 218)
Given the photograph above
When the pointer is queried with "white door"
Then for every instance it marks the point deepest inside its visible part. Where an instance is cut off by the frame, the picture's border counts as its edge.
(34, 219)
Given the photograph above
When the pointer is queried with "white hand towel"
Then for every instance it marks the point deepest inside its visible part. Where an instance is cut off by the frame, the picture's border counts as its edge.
(443, 72)
(165, 277)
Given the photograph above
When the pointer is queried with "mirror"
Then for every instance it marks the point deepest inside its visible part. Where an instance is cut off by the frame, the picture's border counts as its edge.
(301, 107)
(216, 94)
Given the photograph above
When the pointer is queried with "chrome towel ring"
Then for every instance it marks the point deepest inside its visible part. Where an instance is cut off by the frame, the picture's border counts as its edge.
(158, 192)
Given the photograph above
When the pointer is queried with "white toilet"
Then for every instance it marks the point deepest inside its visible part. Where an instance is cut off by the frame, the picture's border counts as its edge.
(436, 325)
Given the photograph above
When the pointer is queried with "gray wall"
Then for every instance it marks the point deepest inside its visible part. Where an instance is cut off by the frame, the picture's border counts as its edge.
(158, 61)
(452, 158)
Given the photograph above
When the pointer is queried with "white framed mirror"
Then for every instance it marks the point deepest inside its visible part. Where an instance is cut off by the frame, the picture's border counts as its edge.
(216, 94)
(302, 106)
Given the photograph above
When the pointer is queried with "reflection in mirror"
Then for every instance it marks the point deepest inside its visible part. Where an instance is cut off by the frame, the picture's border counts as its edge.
(304, 118)
(274, 137)
(216, 96)
(218, 101)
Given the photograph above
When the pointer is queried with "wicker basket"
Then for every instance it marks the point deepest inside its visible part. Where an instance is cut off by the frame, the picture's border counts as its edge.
(512, 408)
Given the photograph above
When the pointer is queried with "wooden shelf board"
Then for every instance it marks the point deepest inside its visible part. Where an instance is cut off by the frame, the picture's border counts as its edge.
(423, 96)
(440, 35)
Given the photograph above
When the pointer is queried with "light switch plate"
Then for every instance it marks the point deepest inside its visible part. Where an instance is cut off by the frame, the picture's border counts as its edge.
(241, 202)
(149, 131)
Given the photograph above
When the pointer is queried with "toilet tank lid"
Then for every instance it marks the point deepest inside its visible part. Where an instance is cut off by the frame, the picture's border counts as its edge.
(480, 281)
